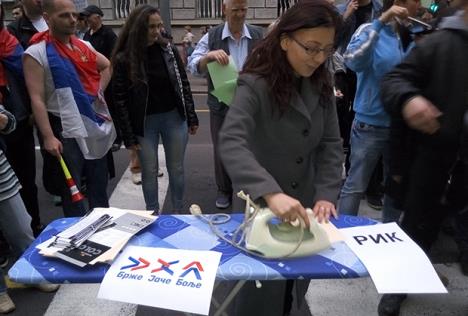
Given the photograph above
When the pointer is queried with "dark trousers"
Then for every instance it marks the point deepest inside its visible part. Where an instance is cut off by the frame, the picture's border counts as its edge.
(427, 181)
(222, 178)
(95, 171)
(274, 298)
(96, 174)
(457, 203)
(22, 157)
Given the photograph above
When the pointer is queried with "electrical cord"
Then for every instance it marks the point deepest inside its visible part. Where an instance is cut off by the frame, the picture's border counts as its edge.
(251, 210)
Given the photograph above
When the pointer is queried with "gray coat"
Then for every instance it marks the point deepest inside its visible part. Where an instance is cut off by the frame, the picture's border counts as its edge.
(299, 153)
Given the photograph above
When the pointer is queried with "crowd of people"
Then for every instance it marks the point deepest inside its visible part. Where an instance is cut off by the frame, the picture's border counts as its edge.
(331, 102)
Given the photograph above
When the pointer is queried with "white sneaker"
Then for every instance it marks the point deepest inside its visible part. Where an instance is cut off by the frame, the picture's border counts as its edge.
(136, 178)
(47, 287)
(43, 287)
(6, 304)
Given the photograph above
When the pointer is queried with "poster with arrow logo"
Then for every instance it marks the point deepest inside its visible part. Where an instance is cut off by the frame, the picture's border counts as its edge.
(174, 279)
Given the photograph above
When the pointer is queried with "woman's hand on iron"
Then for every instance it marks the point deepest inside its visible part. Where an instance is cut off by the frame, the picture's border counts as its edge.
(286, 208)
(323, 210)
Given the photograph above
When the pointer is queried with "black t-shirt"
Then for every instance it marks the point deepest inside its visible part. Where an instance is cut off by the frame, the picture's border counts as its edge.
(161, 96)
(363, 15)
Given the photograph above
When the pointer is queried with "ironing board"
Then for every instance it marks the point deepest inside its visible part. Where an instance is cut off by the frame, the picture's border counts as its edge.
(189, 232)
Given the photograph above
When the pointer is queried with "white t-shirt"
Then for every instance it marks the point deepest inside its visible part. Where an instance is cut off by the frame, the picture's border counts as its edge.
(40, 24)
(94, 142)
(38, 52)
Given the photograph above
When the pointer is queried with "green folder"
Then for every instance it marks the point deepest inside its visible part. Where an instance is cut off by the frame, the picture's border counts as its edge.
(224, 80)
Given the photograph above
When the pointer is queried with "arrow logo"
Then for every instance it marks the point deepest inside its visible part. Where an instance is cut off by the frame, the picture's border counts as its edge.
(145, 264)
(196, 270)
(165, 266)
(135, 264)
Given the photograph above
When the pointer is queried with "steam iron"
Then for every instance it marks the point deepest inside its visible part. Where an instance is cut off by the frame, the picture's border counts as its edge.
(271, 238)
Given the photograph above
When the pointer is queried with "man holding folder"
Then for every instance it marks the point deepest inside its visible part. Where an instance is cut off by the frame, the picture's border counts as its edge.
(233, 38)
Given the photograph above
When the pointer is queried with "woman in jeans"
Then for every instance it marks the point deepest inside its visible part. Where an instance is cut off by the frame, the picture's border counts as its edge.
(153, 100)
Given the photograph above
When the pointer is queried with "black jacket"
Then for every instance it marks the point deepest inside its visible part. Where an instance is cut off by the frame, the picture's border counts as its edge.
(23, 30)
(437, 68)
(130, 100)
(103, 40)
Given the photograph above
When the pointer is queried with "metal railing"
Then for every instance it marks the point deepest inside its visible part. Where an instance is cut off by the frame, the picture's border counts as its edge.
(122, 8)
(283, 5)
(212, 9)
(209, 9)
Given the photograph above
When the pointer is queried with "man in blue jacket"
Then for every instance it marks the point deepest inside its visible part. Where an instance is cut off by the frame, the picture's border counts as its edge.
(374, 50)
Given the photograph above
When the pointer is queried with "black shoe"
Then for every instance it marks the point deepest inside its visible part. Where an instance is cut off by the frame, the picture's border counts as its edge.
(375, 201)
(390, 304)
(223, 200)
(464, 262)
(57, 200)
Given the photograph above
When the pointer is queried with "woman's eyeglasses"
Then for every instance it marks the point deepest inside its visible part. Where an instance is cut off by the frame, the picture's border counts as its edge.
(315, 50)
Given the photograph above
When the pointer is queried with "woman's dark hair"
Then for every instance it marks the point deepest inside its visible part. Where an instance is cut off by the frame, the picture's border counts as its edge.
(269, 61)
(132, 42)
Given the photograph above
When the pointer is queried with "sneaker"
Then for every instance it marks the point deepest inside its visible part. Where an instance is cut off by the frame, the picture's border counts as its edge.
(390, 304)
(160, 173)
(57, 200)
(46, 287)
(136, 178)
(43, 287)
(6, 304)
(464, 262)
(375, 201)
(223, 200)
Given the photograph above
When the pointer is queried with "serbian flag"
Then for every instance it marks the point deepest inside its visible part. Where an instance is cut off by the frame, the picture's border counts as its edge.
(83, 112)
(10, 56)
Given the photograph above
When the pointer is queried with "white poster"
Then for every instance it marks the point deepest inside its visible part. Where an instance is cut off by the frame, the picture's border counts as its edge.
(166, 278)
(395, 262)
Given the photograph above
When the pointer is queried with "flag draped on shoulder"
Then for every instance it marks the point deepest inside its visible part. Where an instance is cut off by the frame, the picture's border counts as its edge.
(10, 56)
(83, 112)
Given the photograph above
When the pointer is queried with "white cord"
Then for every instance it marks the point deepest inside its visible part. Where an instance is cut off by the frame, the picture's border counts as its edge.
(251, 210)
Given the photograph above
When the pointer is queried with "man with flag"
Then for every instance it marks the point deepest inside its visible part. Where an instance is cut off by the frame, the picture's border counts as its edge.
(65, 77)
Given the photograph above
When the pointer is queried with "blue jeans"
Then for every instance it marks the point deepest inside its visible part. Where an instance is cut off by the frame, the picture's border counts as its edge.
(368, 144)
(174, 134)
(15, 225)
(97, 176)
